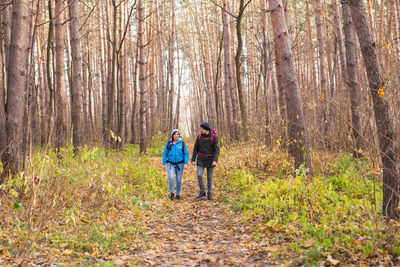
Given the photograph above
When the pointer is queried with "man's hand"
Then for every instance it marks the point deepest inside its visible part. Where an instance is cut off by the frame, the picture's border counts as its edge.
(214, 163)
(193, 163)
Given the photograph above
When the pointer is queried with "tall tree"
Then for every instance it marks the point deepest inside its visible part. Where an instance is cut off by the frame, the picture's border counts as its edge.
(265, 62)
(16, 82)
(322, 68)
(76, 92)
(61, 95)
(228, 73)
(5, 37)
(49, 70)
(384, 122)
(339, 39)
(171, 65)
(298, 143)
(352, 79)
(142, 78)
(238, 65)
(104, 95)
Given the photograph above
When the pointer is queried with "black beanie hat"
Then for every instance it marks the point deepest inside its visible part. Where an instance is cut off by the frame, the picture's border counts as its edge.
(205, 126)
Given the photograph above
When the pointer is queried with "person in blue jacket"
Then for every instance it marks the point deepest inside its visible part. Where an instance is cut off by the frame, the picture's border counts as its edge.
(175, 156)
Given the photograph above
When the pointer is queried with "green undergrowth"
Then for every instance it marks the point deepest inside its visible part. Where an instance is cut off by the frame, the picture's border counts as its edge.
(335, 216)
(89, 203)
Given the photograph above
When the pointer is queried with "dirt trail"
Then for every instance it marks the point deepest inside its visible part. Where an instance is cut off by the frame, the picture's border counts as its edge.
(202, 233)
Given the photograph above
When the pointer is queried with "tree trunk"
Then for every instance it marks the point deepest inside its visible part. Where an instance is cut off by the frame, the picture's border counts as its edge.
(322, 72)
(311, 64)
(342, 55)
(142, 78)
(265, 61)
(112, 78)
(161, 77)
(85, 91)
(49, 67)
(5, 36)
(228, 75)
(61, 95)
(76, 103)
(298, 142)
(384, 123)
(171, 65)
(238, 65)
(104, 97)
(352, 79)
(134, 104)
(7, 21)
(16, 82)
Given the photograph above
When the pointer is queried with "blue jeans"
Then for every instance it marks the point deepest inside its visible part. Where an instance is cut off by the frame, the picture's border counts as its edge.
(210, 172)
(175, 172)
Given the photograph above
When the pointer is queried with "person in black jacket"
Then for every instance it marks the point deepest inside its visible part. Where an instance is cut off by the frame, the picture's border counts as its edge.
(206, 149)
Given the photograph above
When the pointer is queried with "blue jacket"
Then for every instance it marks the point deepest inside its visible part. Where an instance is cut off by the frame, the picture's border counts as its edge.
(175, 154)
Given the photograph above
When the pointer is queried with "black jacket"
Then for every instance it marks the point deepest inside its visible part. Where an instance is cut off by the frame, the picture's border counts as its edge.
(206, 150)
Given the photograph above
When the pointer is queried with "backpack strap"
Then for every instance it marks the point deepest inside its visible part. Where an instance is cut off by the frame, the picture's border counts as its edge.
(169, 146)
(208, 138)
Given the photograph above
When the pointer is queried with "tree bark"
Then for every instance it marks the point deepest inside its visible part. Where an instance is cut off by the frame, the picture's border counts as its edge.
(265, 61)
(322, 72)
(238, 65)
(104, 97)
(134, 104)
(387, 140)
(16, 82)
(298, 142)
(77, 109)
(49, 68)
(352, 79)
(5, 36)
(342, 55)
(171, 65)
(61, 94)
(228, 73)
(142, 79)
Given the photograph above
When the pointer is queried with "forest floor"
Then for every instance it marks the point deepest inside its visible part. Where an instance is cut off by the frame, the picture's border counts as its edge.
(205, 232)
(112, 208)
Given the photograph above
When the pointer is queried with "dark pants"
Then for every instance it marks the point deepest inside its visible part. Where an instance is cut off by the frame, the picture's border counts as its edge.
(210, 172)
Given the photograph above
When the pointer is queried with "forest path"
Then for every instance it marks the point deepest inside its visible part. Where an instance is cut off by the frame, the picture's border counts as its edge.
(202, 232)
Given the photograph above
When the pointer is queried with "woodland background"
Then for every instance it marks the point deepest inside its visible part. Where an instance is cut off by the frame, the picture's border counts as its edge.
(302, 78)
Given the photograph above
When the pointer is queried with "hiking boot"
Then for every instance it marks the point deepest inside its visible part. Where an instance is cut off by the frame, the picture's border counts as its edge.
(202, 194)
(172, 196)
(209, 196)
(178, 197)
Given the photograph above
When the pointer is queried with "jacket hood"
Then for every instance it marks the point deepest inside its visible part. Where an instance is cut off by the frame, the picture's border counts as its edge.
(174, 131)
(205, 126)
